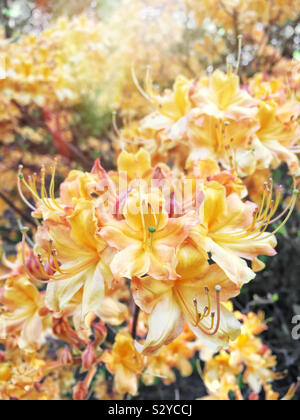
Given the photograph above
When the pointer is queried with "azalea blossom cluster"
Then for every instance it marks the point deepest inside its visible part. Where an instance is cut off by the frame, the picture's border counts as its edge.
(146, 238)
(246, 363)
(250, 127)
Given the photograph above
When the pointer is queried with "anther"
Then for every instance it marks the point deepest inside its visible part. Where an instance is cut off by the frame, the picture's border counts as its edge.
(218, 289)
(152, 229)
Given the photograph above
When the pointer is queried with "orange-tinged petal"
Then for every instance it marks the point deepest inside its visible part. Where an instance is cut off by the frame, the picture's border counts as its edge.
(176, 230)
(190, 260)
(235, 268)
(119, 235)
(60, 292)
(131, 261)
(250, 249)
(214, 205)
(32, 333)
(165, 324)
(84, 226)
(147, 292)
(163, 263)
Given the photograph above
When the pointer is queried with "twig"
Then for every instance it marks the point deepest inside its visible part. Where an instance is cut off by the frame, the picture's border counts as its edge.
(135, 321)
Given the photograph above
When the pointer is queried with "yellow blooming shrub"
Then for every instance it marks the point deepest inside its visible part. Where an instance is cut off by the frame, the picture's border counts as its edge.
(126, 267)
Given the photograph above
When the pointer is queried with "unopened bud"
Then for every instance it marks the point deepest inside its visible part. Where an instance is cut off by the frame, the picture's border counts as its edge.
(88, 357)
(66, 357)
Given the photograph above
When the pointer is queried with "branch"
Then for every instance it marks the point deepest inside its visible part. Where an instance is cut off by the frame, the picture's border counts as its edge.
(135, 321)
(17, 210)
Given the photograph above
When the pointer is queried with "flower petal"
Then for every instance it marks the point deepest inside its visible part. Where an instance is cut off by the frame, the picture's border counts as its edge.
(131, 261)
(165, 324)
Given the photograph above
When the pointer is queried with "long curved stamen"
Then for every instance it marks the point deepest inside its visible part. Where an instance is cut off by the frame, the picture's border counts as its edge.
(21, 178)
(54, 265)
(50, 203)
(52, 186)
(263, 219)
(214, 327)
(293, 204)
(114, 123)
(139, 87)
(44, 194)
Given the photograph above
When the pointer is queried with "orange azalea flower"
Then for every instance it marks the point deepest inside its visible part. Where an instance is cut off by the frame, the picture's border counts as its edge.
(147, 238)
(125, 363)
(195, 297)
(24, 313)
(78, 258)
(228, 231)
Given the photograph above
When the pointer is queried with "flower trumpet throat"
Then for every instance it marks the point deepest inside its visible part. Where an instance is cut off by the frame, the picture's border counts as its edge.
(215, 317)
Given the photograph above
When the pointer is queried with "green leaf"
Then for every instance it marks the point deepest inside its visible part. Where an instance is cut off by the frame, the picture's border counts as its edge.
(275, 298)
(296, 55)
(14, 12)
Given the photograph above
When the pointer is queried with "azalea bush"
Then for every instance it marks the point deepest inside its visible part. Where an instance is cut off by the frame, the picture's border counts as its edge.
(149, 186)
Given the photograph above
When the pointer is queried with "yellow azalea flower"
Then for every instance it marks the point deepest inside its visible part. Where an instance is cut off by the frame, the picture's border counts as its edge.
(176, 354)
(195, 297)
(125, 363)
(24, 313)
(231, 143)
(172, 112)
(174, 104)
(220, 376)
(249, 350)
(209, 170)
(76, 186)
(226, 391)
(79, 258)
(224, 98)
(147, 238)
(228, 233)
(260, 371)
(277, 135)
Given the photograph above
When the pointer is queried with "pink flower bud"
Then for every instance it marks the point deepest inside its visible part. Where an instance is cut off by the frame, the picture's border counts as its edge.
(88, 357)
